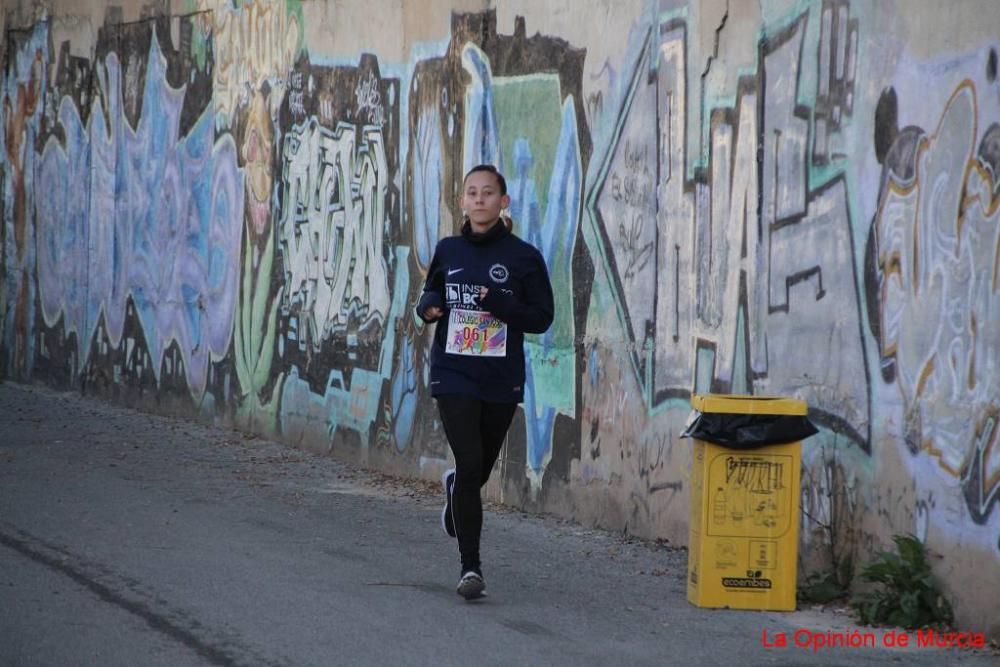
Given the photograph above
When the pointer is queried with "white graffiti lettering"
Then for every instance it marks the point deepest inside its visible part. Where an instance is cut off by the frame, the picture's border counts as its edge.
(332, 228)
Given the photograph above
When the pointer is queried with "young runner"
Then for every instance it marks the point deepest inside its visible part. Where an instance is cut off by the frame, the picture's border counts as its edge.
(486, 288)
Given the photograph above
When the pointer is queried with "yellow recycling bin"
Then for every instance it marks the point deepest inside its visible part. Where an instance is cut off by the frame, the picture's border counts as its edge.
(744, 525)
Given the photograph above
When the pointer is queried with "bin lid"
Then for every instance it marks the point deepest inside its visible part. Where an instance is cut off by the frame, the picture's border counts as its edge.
(748, 405)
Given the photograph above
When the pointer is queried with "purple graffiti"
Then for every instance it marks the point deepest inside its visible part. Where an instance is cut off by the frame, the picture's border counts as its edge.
(158, 220)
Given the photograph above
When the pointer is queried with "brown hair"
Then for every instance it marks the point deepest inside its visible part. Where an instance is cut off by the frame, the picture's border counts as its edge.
(492, 170)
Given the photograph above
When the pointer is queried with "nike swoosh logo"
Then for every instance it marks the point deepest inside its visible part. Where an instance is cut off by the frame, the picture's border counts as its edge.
(451, 271)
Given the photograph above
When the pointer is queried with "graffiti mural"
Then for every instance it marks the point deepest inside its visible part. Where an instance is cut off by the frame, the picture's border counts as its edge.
(253, 43)
(255, 330)
(936, 242)
(159, 226)
(335, 265)
(24, 85)
(337, 221)
(837, 65)
(753, 267)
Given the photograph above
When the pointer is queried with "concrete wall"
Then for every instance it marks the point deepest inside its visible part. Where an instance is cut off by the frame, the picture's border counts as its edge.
(226, 210)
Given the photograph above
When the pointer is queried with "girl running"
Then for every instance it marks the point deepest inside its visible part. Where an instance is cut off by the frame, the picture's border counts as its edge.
(485, 288)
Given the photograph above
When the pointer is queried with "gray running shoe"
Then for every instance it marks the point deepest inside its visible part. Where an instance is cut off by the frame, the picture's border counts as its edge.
(471, 586)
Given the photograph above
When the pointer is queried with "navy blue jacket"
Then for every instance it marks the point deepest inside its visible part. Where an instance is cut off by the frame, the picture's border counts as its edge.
(519, 295)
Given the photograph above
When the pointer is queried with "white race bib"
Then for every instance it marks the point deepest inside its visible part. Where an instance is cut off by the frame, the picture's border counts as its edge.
(476, 333)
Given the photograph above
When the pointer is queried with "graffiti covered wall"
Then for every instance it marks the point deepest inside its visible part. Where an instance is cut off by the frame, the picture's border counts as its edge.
(220, 214)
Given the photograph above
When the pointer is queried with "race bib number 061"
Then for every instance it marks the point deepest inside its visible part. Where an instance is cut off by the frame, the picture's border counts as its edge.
(476, 333)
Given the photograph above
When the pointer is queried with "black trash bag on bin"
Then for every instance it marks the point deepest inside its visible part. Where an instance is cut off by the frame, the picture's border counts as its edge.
(747, 431)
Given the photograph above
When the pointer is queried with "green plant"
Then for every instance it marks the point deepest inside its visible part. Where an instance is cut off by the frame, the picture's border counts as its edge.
(254, 332)
(908, 596)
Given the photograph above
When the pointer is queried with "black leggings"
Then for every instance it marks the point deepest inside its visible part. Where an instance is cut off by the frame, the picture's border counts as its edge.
(476, 431)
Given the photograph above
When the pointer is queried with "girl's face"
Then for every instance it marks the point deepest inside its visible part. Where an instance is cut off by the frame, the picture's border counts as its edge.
(482, 201)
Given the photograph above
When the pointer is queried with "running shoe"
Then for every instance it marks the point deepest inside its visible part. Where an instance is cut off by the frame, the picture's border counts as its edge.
(471, 585)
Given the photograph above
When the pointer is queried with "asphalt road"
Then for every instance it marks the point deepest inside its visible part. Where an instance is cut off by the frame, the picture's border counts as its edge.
(133, 539)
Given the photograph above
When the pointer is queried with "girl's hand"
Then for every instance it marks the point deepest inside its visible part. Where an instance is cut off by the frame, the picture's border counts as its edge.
(483, 291)
(433, 313)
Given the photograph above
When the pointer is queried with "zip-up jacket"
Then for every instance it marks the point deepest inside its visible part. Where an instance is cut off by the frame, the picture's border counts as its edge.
(520, 296)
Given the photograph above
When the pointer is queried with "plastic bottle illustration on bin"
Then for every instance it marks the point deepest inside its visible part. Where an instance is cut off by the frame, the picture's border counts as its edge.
(721, 508)
(744, 528)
